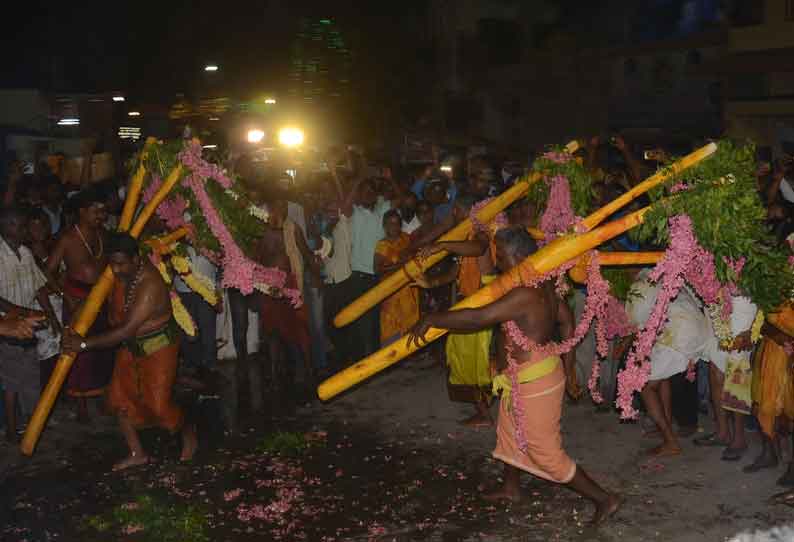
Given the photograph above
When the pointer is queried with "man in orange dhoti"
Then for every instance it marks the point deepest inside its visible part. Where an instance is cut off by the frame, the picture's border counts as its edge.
(532, 383)
(141, 316)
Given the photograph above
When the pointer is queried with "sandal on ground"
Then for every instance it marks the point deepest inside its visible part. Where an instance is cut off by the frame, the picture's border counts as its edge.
(709, 440)
(733, 454)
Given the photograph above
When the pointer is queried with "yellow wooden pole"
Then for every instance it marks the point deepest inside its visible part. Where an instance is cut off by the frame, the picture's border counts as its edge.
(134, 188)
(413, 268)
(161, 245)
(547, 258)
(160, 195)
(654, 180)
(579, 272)
(85, 318)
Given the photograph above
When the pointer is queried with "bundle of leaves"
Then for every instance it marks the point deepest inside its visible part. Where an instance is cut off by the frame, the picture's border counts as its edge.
(721, 197)
(149, 520)
(232, 205)
(620, 282)
(579, 180)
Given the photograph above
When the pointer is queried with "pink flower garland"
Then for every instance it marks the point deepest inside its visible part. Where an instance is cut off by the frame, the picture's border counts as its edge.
(171, 210)
(558, 216)
(499, 221)
(671, 270)
(238, 271)
(191, 157)
(557, 157)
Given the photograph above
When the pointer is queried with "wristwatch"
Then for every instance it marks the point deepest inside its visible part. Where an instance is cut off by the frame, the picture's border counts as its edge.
(83, 345)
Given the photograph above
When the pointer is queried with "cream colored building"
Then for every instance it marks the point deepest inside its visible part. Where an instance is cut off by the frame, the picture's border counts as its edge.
(758, 75)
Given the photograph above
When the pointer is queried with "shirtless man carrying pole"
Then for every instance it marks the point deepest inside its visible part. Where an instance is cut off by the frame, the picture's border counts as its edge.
(528, 432)
(142, 323)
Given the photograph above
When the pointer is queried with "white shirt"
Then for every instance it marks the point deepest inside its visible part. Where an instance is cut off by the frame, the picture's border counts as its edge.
(20, 278)
(337, 266)
(295, 213)
(201, 265)
(409, 227)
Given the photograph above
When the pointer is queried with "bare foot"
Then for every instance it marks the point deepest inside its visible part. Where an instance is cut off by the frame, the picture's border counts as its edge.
(189, 443)
(607, 509)
(478, 420)
(665, 449)
(503, 494)
(131, 461)
(787, 498)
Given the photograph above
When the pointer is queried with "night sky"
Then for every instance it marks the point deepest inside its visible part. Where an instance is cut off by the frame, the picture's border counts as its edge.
(154, 49)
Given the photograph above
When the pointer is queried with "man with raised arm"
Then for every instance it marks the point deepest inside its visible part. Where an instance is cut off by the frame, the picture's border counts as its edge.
(528, 431)
(142, 323)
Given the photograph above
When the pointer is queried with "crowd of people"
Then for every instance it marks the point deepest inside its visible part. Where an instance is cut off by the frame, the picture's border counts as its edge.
(336, 240)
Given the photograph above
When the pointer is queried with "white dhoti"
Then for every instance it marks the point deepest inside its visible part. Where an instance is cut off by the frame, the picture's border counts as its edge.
(682, 338)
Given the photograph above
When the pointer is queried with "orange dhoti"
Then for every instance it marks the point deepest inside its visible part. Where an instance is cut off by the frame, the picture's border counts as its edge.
(541, 401)
(140, 389)
(772, 386)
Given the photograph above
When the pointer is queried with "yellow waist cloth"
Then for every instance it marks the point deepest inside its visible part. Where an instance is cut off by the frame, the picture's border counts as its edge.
(501, 382)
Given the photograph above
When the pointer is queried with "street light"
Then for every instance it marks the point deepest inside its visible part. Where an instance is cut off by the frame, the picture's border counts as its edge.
(255, 135)
(118, 98)
(290, 136)
(134, 113)
(211, 68)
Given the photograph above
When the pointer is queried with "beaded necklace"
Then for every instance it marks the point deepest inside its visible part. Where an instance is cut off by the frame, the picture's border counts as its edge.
(97, 256)
(130, 294)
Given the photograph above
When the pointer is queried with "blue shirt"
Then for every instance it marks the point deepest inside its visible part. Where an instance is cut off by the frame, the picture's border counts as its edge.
(366, 229)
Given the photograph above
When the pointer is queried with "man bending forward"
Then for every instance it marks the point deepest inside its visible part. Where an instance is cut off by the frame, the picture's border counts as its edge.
(528, 432)
(141, 316)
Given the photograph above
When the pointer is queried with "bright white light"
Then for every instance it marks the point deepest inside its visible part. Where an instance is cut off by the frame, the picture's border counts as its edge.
(255, 136)
(290, 137)
(118, 98)
(209, 146)
(134, 113)
(129, 132)
(270, 101)
(210, 68)
(214, 118)
(68, 122)
(446, 169)
(291, 173)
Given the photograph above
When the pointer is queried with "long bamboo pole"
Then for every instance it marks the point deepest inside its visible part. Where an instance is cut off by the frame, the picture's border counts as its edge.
(654, 180)
(134, 188)
(87, 315)
(413, 268)
(161, 245)
(579, 272)
(547, 258)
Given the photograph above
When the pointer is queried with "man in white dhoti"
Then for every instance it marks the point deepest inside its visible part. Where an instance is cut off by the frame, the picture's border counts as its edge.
(684, 335)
